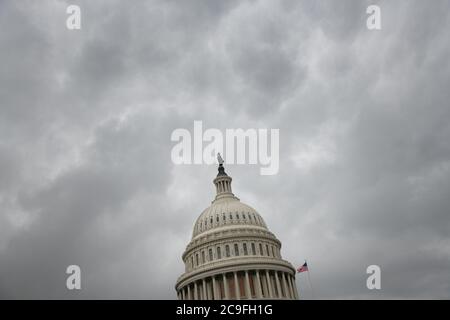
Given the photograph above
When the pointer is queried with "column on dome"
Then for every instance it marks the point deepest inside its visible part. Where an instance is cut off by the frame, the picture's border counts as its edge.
(248, 292)
(291, 285)
(285, 287)
(294, 287)
(209, 289)
(236, 286)
(265, 290)
(280, 281)
(269, 285)
(200, 291)
(189, 292)
(273, 285)
(195, 291)
(291, 294)
(214, 293)
(259, 294)
(225, 286)
(277, 282)
(205, 293)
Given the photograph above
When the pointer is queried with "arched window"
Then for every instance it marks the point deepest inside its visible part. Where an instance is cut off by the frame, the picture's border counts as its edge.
(210, 220)
(210, 255)
(196, 259)
(236, 249)
(227, 250)
(217, 218)
(253, 249)
(219, 253)
(245, 249)
(237, 215)
(223, 217)
(203, 256)
(192, 262)
(261, 250)
(231, 216)
(273, 251)
(267, 250)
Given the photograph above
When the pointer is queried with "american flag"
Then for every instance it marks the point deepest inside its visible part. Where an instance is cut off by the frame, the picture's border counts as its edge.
(303, 268)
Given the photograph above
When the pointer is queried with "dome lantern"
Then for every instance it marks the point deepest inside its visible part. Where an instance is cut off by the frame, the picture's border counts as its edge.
(223, 184)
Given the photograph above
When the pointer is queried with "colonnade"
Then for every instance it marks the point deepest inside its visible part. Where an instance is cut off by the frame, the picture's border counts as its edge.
(248, 284)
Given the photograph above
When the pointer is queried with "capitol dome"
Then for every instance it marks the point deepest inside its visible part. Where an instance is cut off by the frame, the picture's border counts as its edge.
(232, 253)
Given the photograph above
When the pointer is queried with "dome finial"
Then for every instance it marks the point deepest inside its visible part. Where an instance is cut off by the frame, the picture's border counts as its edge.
(220, 159)
(222, 181)
(221, 168)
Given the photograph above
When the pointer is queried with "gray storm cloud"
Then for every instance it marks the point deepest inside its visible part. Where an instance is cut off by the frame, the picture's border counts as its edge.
(86, 117)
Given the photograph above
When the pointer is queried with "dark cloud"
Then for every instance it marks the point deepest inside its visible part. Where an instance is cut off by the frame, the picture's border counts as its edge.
(86, 117)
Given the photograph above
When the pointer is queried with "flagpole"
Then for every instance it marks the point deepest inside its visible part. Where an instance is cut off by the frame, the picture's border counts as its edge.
(309, 278)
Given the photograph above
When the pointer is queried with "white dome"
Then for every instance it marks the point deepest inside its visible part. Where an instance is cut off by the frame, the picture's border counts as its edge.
(227, 212)
(232, 254)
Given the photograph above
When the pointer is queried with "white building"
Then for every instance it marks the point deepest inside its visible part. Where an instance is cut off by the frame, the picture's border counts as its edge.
(233, 255)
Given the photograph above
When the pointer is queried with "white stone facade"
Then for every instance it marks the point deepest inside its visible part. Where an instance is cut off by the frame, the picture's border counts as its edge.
(233, 255)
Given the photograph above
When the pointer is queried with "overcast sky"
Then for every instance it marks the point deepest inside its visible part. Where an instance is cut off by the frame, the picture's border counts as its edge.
(86, 176)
